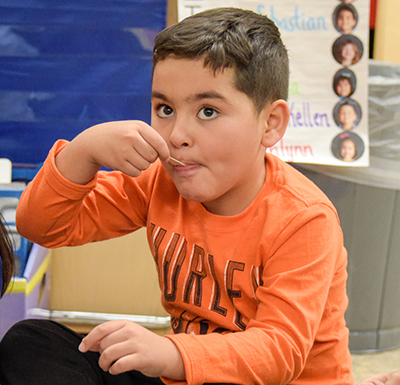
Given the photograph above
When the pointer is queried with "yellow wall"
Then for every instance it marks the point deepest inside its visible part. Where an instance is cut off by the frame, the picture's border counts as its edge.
(115, 276)
(387, 31)
(172, 13)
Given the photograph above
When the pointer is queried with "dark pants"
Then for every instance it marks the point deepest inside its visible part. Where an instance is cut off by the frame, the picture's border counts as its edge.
(38, 352)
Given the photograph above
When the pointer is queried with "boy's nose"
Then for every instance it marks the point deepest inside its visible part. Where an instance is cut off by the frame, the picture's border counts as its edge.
(180, 134)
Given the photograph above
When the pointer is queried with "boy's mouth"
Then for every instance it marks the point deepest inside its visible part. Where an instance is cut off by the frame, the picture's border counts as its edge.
(176, 162)
(187, 169)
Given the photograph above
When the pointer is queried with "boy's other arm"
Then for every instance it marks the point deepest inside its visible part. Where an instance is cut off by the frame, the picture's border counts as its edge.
(126, 146)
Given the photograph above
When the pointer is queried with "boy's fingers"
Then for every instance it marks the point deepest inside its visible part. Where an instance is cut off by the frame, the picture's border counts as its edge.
(157, 142)
(83, 348)
(92, 340)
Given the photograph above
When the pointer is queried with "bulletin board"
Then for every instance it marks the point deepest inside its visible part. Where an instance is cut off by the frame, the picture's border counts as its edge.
(66, 65)
(328, 42)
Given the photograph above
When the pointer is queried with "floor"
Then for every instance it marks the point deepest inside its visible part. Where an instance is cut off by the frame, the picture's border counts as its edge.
(365, 365)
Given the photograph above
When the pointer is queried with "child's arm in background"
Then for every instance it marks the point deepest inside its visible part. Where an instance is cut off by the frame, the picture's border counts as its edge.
(391, 378)
(6, 257)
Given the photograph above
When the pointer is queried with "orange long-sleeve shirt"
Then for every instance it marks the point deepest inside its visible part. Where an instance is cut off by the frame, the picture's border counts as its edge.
(257, 298)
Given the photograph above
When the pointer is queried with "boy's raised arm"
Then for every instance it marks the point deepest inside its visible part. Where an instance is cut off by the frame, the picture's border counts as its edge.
(126, 146)
(54, 209)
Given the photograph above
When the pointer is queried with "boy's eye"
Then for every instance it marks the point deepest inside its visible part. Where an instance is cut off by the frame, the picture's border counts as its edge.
(207, 113)
(164, 111)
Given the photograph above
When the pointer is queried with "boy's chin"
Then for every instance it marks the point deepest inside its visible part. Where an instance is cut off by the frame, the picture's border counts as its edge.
(192, 196)
(195, 195)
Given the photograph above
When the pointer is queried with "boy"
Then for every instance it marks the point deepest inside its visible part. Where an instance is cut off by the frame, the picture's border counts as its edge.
(249, 252)
(346, 19)
(347, 116)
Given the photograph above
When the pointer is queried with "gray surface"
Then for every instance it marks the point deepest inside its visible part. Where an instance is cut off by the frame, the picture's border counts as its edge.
(370, 219)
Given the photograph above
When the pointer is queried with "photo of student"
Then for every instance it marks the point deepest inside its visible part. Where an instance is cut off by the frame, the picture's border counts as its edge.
(344, 83)
(345, 18)
(347, 50)
(348, 150)
(347, 147)
(347, 114)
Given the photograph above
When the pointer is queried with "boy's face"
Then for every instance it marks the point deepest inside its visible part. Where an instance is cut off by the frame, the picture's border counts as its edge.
(346, 21)
(214, 129)
(347, 116)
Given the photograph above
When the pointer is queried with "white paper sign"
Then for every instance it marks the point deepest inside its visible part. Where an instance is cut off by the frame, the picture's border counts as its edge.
(328, 43)
(5, 170)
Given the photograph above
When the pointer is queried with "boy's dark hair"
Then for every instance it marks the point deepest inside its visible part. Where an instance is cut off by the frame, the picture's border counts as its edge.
(232, 38)
(347, 104)
(346, 7)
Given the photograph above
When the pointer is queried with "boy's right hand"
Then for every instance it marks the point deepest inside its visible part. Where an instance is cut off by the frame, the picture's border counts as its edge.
(128, 146)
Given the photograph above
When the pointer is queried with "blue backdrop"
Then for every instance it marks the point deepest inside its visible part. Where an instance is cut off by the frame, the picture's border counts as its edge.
(66, 65)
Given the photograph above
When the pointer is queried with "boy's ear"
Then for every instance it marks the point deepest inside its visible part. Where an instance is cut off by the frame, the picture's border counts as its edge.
(276, 115)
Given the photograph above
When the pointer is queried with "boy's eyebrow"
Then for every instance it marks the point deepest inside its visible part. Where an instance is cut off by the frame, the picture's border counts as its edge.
(195, 97)
(208, 95)
(158, 95)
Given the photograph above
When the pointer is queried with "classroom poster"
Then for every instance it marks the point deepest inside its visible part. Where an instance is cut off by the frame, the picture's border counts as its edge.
(328, 43)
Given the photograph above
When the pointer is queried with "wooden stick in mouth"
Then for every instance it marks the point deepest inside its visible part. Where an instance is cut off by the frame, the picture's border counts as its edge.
(175, 162)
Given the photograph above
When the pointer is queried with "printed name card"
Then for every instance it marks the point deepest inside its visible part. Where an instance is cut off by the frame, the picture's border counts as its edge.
(328, 43)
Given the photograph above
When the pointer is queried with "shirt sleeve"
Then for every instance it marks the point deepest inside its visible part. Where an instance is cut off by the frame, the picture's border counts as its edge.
(55, 212)
(301, 300)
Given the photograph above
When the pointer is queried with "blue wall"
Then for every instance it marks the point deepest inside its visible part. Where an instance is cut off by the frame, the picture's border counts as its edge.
(66, 65)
